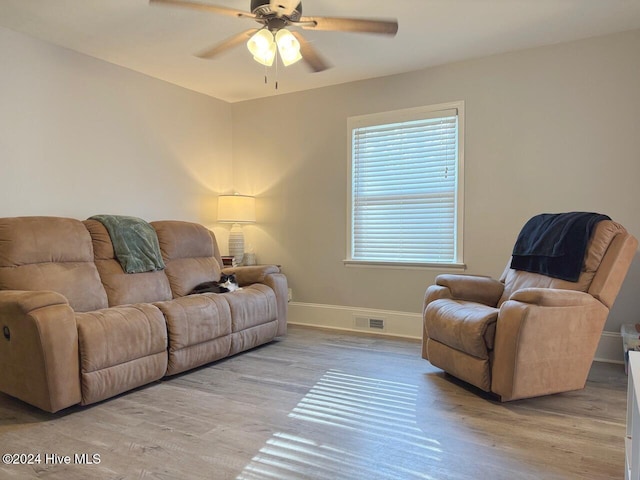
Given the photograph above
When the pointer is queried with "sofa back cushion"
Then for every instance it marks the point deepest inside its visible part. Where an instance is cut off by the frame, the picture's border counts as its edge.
(190, 253)
(124, 288)
(50, 253)
(601, 238)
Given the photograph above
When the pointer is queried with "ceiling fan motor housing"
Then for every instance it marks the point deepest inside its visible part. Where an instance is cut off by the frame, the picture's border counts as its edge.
(263, 8)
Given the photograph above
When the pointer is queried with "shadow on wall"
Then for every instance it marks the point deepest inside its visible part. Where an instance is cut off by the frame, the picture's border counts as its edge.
(626, 309)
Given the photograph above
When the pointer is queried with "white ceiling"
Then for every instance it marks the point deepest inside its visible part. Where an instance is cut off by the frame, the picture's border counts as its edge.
(160, 40)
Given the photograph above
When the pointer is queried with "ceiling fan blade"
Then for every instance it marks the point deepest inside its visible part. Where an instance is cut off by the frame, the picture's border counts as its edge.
(227, 44)
(360, 25)
(203, 7)
(310, 55)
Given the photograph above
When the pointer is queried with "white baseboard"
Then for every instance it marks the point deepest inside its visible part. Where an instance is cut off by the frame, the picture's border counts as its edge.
(396, 324)
(610, 348)
(403, 324)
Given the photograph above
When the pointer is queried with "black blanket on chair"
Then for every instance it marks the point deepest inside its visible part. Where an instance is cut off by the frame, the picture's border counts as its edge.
(555, 244)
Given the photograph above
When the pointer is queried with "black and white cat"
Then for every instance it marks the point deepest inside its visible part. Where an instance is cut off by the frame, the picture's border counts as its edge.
(227, 283)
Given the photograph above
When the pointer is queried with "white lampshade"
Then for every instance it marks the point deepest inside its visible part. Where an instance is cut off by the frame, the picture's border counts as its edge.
(236, 209)
(262, 47)
(288, 46)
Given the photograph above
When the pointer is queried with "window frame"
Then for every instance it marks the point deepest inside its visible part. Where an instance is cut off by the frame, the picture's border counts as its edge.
(397, 116)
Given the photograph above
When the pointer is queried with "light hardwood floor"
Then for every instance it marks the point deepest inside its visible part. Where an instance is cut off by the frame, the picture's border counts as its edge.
(326, 405)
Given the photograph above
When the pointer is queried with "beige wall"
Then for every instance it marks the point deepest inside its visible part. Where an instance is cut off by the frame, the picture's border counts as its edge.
(547, 130)
(79, 136)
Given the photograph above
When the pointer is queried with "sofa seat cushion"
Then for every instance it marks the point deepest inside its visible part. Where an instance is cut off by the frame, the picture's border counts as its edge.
(120, 348)
(195, 319)
(468, 327)
(252, 337)
(198, 328)
(253, 305)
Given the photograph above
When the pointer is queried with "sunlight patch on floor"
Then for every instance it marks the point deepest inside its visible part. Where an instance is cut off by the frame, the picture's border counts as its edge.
(349, 426)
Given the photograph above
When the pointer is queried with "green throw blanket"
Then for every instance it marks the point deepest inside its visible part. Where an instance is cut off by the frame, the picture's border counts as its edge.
(135, 243)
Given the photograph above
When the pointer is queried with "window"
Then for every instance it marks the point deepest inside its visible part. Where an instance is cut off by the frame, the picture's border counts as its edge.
(405, 186)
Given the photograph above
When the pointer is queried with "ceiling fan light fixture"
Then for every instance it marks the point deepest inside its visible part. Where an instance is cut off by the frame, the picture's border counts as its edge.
(263, 47)
(266, 58)
(273, 37)
(288, 46)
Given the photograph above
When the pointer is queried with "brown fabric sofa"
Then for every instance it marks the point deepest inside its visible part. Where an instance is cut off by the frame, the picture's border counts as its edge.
(77, 329)
(526, 334)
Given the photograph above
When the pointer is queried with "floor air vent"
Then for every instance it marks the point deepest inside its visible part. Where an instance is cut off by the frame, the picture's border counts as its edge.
(366, 323)
(376, 323)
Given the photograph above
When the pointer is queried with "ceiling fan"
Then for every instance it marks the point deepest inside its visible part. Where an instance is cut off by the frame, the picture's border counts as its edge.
(275, 16)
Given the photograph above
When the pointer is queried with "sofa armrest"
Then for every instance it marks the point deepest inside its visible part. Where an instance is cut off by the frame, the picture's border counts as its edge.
(472, 288)
(545, 342)
(278, 283)
(252, 274)
(270, 276)
(39, 349)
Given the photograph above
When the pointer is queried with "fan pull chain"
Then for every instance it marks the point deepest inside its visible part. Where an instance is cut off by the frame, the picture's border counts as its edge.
(276, 69)
(266, 73)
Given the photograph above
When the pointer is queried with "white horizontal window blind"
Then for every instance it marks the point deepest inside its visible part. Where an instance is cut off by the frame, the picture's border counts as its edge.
(404, 195)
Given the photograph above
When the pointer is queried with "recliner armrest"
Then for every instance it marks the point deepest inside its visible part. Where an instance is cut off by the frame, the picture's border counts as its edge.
(472, 288)
(547, 297)
(545, 342)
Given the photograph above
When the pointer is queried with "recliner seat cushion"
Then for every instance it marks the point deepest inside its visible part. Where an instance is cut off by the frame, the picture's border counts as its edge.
(471, 369)
(465, 326)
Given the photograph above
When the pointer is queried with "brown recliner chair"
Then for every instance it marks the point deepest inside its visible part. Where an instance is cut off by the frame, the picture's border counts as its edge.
(527, 334)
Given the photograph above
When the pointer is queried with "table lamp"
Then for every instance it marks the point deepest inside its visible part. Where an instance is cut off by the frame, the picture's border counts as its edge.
(237, 210)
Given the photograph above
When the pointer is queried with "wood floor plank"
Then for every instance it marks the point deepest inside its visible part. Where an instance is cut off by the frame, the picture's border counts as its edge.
(321, 404)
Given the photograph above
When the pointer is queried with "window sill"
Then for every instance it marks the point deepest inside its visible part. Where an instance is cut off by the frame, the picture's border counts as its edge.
(404, 266)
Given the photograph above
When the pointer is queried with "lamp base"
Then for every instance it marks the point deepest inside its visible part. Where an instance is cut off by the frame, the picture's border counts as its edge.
(236, 244)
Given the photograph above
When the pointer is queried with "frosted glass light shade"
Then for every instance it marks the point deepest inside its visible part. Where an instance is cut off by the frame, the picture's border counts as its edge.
(288, 46)
(262, 47)
(236, 209)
